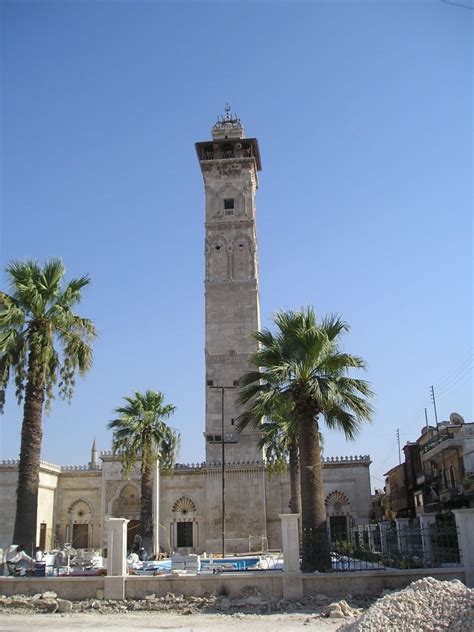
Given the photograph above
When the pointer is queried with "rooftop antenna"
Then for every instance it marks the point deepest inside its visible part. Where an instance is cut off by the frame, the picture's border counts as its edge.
(433, 399)
(399, 451)
(426, 418)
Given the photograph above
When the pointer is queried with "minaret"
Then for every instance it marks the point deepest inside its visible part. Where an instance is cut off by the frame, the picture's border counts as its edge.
(229, 164)
(93, 461)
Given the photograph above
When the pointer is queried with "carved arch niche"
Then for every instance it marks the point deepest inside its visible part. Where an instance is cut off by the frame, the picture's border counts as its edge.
(184, 528)
(79, 525)
(338, 516)
(337, 503)
(217, 259)
(243, 259)
(126, 503)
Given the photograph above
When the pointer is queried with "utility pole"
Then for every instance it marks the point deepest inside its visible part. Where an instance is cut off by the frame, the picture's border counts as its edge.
(223, 389)
(433, 399)
(426, 418)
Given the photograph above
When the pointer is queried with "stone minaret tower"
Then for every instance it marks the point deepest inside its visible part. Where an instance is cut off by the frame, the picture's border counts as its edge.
(229, 165)
(93, 462)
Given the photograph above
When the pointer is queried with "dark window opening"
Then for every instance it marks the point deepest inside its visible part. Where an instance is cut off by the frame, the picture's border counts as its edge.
(218, 247)
(236, 382)
(232, 421)
(210, 382)
(229, 204)
(185, 534)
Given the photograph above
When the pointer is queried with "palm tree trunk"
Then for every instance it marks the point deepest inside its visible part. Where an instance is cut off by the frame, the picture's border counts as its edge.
(315, 543)
(146, 508)
(295, 485)
(24, 531)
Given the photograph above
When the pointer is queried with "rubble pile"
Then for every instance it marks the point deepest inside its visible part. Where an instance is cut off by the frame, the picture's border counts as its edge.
(427, 605)
(341, 610)
(249, 600)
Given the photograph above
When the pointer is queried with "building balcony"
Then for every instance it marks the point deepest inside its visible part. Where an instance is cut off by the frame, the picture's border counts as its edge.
(444, 441)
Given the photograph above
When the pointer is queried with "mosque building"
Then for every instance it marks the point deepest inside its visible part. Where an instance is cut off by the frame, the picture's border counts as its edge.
(231, 497)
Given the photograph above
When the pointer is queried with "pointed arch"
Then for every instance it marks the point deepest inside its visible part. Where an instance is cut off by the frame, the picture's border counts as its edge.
(126, 502)
(217, 259)
(243, 257)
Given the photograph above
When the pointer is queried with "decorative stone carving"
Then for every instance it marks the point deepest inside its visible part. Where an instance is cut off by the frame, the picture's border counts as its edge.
(184, 506)
(80, 512)
(337, 503)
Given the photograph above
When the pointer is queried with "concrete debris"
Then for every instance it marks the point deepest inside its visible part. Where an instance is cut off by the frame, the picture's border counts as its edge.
(426, 605)
(64, 605)
(340, 610)
(249, 601)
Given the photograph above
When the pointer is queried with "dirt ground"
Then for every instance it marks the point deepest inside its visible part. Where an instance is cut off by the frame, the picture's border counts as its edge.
(167, 622)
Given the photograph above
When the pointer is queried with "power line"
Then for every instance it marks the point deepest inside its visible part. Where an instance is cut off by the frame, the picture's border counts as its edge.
(460, 378)
(467, 362)
(453, 385)
(458, 4)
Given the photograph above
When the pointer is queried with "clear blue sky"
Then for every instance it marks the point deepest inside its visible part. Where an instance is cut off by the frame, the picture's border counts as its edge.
(363, 115)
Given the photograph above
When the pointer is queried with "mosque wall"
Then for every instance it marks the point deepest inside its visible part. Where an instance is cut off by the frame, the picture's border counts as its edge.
(74, 503)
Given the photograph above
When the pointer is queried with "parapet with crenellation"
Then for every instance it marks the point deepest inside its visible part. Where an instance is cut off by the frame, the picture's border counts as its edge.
(328, 462)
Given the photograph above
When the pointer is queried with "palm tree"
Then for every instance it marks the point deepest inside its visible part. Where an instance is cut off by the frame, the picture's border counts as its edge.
(140, 432)
(278, 439)
(302, 360)
(42, 341)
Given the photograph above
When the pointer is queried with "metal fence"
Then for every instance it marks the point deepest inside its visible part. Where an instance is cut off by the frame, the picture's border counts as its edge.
(380, 547)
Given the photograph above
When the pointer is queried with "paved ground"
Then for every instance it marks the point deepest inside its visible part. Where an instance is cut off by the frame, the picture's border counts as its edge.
(159, 622)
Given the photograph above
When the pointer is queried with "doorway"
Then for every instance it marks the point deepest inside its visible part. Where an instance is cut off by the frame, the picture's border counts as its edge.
(80, 536)
(338, 526)
(184, 535)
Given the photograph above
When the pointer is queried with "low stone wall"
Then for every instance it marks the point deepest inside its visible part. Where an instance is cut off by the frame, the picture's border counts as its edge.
(268, 584)
(73, 588)
(372, 582)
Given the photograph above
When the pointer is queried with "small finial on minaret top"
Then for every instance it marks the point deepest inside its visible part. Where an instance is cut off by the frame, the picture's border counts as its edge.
(228, 126)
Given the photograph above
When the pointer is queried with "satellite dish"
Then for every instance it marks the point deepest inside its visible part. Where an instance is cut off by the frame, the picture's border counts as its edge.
(456, 419)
